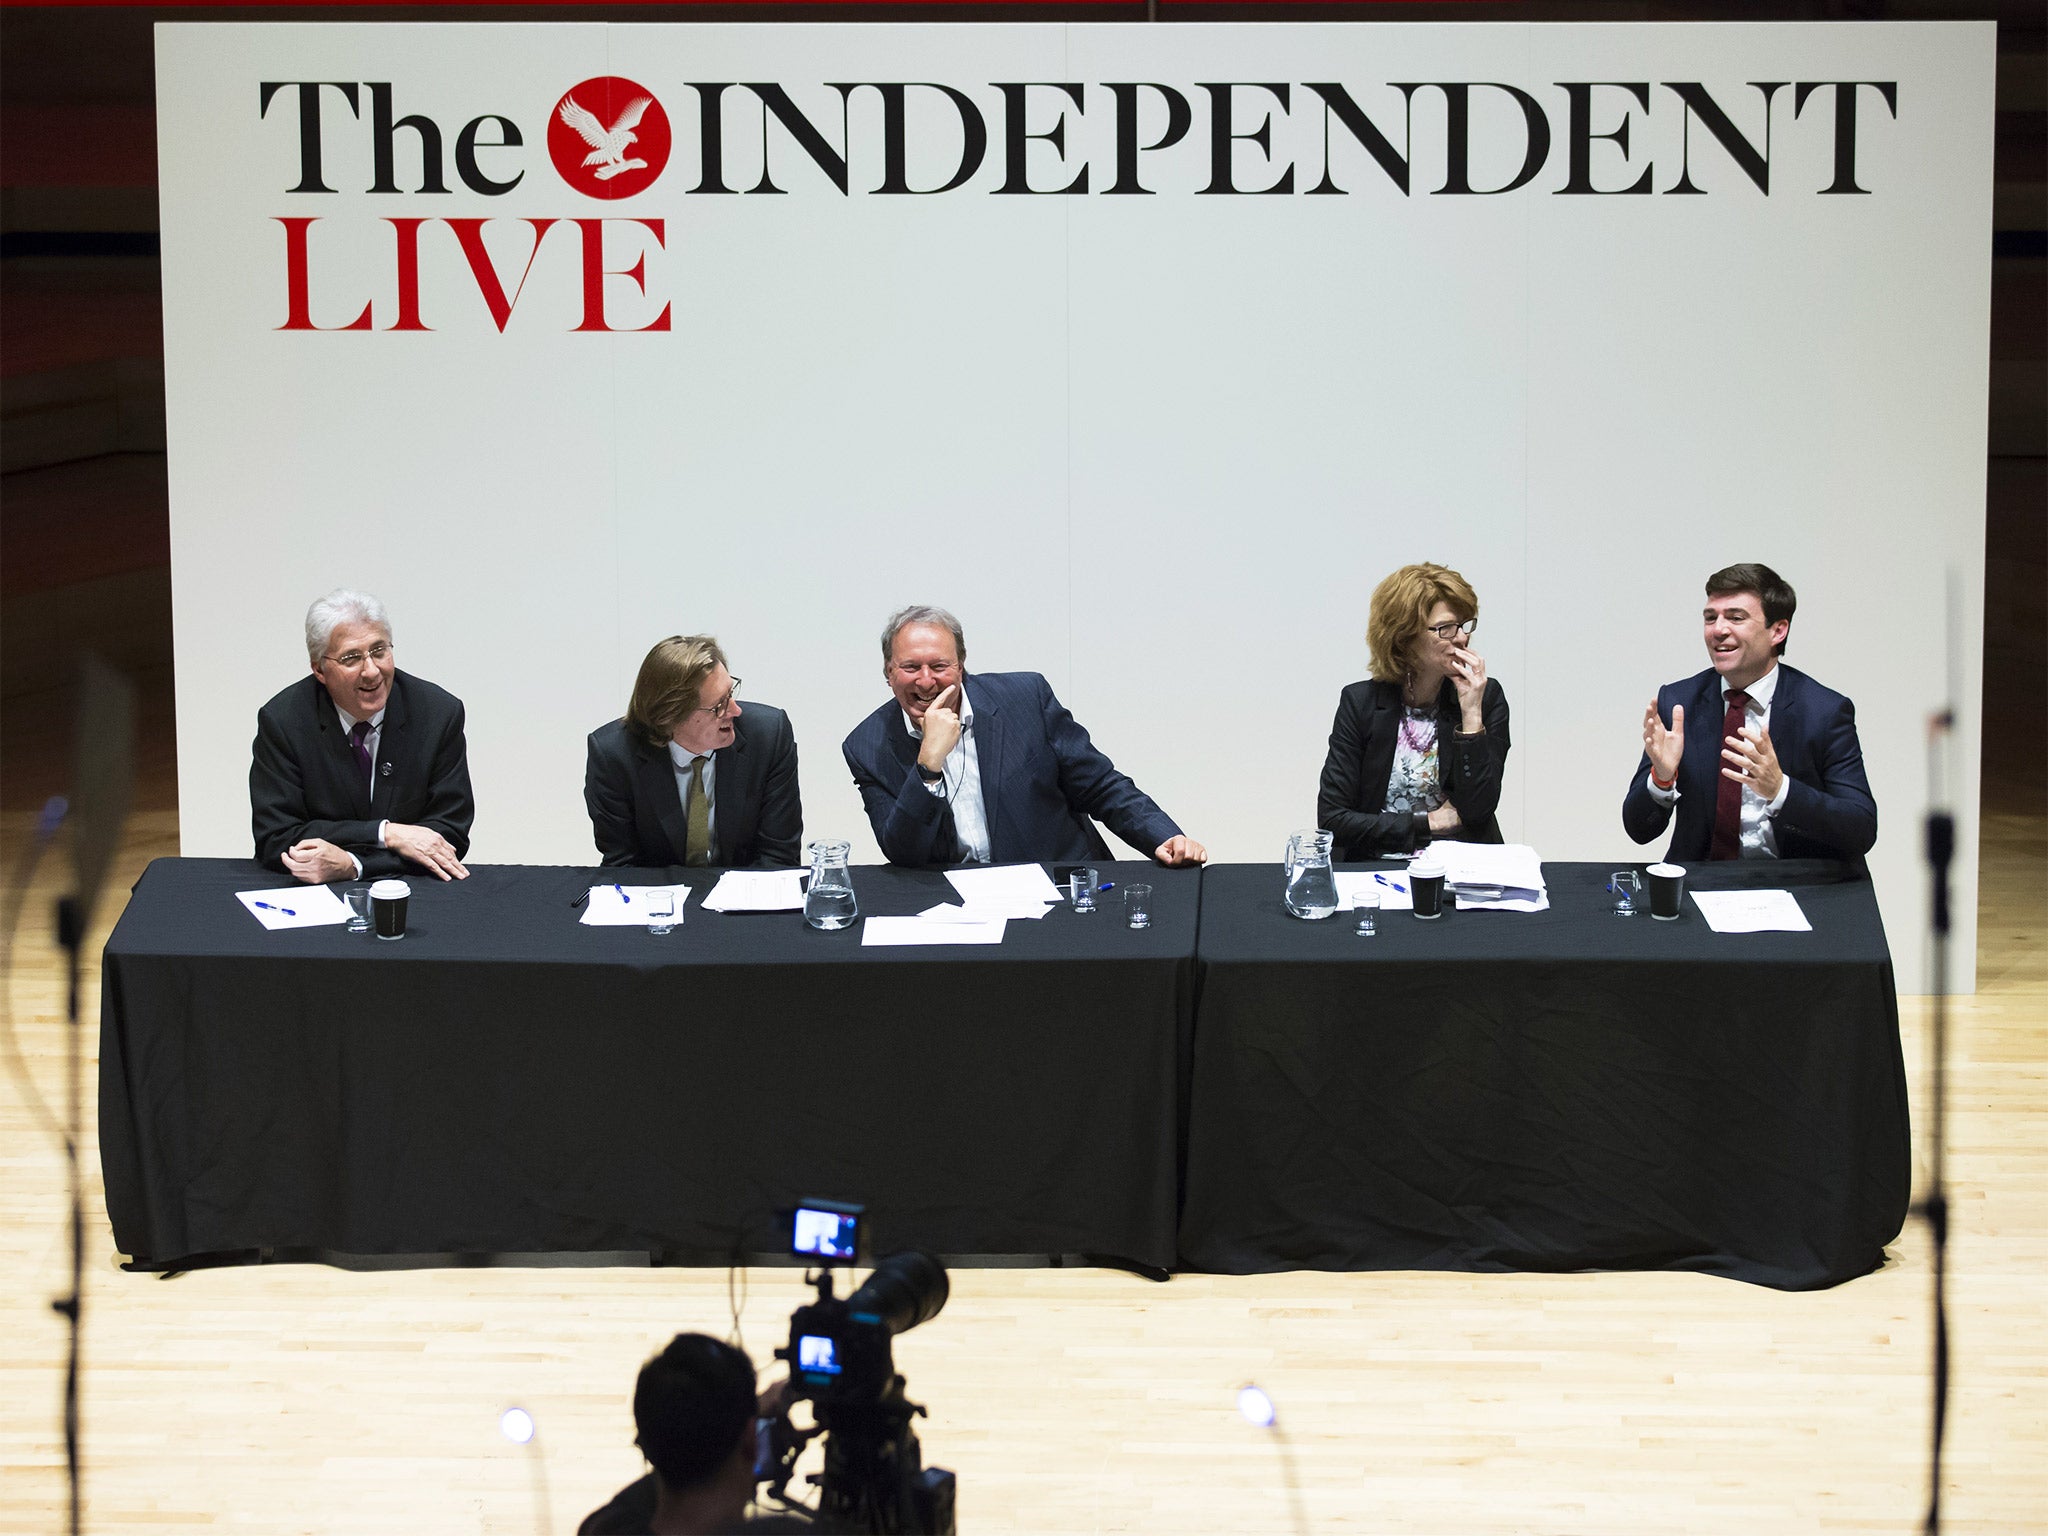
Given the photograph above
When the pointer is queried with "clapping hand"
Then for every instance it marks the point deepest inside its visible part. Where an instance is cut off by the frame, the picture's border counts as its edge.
(1752, 761)
(1664, 748)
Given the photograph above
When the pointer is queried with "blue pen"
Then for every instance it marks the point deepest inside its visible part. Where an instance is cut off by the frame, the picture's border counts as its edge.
(1392, 885)
(622, 895)
(1107, 885)
(287, 911)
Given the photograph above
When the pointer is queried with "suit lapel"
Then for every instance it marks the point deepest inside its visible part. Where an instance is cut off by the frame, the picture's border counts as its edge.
(337, 757)
(655, 784)
(393, 768)
(991, 743)
(1788, 728)
(1377, 766)
(735, 798)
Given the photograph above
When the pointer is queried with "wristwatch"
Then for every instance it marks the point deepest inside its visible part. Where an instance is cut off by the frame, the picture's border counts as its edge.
(930, 775)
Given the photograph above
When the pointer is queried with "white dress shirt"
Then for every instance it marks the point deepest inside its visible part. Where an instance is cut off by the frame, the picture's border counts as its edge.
(961, 784)
(1759, 835)
(373, 741)
(681, 761)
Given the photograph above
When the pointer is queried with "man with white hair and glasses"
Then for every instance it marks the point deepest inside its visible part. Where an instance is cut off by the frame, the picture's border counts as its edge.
(360, 769)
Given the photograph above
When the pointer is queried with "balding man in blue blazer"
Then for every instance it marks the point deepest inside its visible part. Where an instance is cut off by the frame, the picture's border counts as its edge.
(989, 769)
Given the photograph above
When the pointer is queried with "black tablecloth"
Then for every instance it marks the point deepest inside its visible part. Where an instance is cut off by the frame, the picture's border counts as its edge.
(1554, 1090)
(506, 1080)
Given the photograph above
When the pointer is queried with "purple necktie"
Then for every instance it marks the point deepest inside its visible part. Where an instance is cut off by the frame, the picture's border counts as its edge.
(359, 742)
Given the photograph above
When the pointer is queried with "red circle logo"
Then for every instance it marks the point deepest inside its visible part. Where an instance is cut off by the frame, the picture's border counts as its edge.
(608, 137)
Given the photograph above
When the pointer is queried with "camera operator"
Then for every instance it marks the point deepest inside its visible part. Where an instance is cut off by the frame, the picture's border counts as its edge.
(695, 1409)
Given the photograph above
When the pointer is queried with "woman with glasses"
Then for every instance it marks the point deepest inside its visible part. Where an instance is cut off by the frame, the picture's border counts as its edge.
(1417, 748)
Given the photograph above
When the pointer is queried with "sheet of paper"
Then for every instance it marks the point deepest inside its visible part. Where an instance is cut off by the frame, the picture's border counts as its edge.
(917, 930)
(1004, 884)
(1392, 885)
(983, 912)
(1514, 901)
(1508, 866)
(295, 906)
(1751, 911)
(757, 890)
(625, 906)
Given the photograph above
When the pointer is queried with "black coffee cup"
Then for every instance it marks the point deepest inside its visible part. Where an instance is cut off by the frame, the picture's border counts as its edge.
(1426, 882)
(1667, 890)
(388, 901)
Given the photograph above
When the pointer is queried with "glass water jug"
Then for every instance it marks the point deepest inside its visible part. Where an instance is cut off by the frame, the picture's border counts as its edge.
(1311, 884)
(828, 900)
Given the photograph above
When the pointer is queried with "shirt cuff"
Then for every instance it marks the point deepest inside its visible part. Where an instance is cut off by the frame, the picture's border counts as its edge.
(1661, 796)
(357, 862)
(1777, 801)
(382, 827)
(937, 786)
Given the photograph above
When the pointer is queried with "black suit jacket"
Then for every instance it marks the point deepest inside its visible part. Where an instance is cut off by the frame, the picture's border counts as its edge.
(1041, 781)
(636, 814)
(1351, 801)
(1828, 811)
(304, 780)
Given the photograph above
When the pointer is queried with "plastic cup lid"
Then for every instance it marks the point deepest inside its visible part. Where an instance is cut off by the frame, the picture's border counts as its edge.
(390, 890)
(1668, 871)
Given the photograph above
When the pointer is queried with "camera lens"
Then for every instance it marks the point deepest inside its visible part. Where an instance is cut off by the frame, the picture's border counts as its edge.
(906, 1289)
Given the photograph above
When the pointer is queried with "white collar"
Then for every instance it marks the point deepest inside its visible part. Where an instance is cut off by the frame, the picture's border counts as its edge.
(966, 716)
(1760, 692)
(682, 757)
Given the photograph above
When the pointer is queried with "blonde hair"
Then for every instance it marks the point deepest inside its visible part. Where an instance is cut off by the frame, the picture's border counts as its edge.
(671, 685)
(1401, 606)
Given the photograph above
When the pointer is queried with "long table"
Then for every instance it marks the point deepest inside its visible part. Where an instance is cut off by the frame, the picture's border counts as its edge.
(1542, 1091)
(1556, 1090)
(506, 1080)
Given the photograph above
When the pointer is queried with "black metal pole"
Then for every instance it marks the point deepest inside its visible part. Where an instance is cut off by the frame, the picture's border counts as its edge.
(71, 935)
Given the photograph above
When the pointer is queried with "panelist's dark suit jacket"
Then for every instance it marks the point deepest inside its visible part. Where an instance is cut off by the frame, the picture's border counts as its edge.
(636, 812)
(304, 780)
(1352, 798)
(1828, 811)
(1041, 781)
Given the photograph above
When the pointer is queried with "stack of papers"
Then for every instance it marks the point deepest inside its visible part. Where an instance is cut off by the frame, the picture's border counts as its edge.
(989, 899)
(1496, 877)
(625, 906)
(757, 890)
(1751, 911)
(295, 906)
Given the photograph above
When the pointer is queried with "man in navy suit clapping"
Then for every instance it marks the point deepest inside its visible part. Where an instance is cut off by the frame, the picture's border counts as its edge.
(1758, 759)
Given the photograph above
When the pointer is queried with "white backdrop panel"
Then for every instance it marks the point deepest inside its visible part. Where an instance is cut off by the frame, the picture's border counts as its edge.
(1159, 447)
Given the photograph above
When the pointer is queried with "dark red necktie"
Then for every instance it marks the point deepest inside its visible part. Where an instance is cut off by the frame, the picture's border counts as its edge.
(359, 739)
(1728, 794)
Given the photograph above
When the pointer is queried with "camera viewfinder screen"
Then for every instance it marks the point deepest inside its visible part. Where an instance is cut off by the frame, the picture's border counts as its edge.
(816, 1352)
(826, 1234)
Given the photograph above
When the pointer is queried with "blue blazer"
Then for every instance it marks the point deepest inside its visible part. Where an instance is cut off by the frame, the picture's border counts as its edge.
(1828, 811)
(1041, 781)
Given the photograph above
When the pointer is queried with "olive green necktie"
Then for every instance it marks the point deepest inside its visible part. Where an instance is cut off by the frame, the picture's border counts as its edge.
(697, 815)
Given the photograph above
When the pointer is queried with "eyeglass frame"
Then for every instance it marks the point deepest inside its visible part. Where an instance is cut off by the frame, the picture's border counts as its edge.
(377, 652)
(1464, 627)
(723, 707)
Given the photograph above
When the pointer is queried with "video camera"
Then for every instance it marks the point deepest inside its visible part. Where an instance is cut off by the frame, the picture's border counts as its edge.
(841, 1363)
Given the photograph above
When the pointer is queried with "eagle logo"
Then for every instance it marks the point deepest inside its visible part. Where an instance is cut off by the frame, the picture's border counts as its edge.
(607, 145)
(608, 137)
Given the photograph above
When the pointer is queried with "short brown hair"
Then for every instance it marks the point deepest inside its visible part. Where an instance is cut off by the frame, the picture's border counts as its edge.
(671, 685)
(1401, 605)
(1772, 590)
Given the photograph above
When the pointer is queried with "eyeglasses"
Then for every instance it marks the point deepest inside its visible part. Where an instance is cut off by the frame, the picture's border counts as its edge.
(719, 710)
(350, 660)
(1454, 627)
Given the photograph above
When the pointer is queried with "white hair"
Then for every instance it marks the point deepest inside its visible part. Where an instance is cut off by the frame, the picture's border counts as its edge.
(339, 607)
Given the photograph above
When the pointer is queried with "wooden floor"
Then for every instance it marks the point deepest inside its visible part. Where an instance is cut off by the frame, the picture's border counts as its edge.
(303, 1398)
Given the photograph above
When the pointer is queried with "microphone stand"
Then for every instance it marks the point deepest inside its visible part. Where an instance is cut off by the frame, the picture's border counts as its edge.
(71, 935)
(1941, 845)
